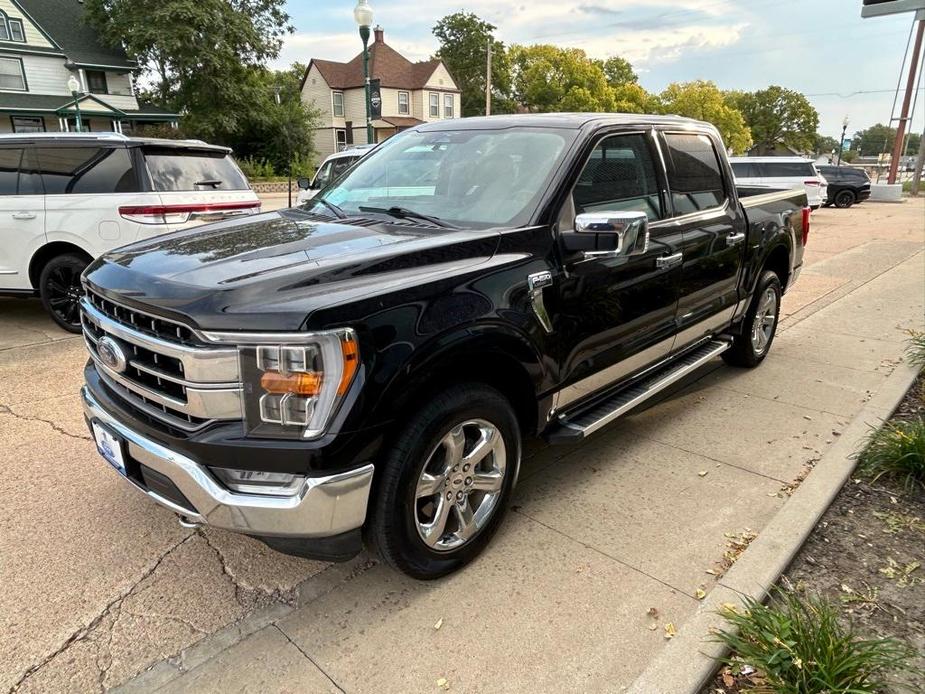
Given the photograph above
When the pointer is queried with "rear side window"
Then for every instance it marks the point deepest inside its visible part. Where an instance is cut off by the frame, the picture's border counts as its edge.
(787, 169)
(16, 176)
(619, 177)
(342, 164)
(744, 170)
(694, 173)
(173, 170)
(86, 170)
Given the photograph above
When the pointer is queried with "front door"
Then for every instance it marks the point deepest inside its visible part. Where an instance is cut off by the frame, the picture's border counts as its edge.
(713, 234)
(612, 317)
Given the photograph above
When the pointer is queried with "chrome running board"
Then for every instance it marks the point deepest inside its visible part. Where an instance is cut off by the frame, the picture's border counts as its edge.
(574, 426)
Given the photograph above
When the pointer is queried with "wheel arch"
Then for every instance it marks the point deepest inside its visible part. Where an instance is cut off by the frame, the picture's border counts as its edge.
(778, 261)
(52, 250)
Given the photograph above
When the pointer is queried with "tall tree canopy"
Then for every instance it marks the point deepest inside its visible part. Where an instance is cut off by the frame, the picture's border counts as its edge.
(618, 71)
(704, 101)
(204, 58)
(464, 40)
(549, 78)
(777, 116)
(880, 138)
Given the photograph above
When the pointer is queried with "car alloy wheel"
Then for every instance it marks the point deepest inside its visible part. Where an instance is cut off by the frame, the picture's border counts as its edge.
(64, 291)
(765, 317)
(460, 485)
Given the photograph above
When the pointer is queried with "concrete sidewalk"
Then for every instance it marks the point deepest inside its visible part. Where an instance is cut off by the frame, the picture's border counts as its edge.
(600, 537)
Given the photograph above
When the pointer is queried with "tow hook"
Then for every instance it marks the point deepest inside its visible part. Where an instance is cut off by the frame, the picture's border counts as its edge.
(187, 523)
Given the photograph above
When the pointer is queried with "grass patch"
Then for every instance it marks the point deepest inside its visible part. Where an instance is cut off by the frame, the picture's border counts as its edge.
(915, 349)
(896, 450)
(799, 646)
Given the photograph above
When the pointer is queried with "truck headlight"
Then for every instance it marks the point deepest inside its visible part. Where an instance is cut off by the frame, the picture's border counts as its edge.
(291, 390)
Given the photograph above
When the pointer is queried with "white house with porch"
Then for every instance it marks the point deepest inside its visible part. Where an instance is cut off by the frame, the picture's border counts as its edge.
(412, 93)
(45, 42)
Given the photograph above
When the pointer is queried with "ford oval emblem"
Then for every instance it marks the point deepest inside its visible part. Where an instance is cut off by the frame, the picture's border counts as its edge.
(111, 354)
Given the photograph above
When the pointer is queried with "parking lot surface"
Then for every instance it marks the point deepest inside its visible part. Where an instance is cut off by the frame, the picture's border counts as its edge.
(606, 545)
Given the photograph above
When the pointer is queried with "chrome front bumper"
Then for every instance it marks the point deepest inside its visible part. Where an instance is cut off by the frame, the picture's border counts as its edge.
(325, 506)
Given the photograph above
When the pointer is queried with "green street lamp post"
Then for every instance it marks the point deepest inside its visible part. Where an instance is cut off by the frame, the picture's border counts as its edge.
(363, 14)
(841, 145)
(74, 88)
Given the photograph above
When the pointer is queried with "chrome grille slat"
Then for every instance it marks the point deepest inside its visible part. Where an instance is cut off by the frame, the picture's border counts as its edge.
(170, 374)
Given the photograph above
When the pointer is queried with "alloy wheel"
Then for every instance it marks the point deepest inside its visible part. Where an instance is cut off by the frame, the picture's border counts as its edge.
(460, 485)
(64, 291)
(765, 317)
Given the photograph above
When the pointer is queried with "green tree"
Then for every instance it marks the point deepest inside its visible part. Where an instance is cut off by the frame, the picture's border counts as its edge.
(777, 116)
(618, 71)
(704, 101)
(203, 56)
(825, 144)
(464, 40)
(631, 98)
(875, 140)
(547, 78)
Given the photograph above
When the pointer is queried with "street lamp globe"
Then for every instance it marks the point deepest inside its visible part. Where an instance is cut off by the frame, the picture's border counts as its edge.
(73, 85)
(363, 14)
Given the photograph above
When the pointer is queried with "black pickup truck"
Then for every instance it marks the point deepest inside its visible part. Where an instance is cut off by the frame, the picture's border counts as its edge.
(363, 369)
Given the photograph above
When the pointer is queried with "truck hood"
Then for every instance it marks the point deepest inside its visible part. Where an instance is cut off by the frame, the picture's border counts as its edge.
(272, 271)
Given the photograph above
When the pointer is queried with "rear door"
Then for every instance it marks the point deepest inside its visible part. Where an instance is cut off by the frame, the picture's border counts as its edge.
(713, 234)
(198, 185)
(22, 216)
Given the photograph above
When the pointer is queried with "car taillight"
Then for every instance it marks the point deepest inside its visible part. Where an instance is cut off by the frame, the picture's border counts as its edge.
(180, 214)
(807, 215)
(812, 182)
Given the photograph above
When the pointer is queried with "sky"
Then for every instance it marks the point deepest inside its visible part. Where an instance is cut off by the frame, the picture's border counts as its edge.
(847, 66)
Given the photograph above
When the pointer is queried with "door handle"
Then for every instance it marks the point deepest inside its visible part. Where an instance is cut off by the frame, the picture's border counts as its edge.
(734, 239)
(667, 261)
(24, 215)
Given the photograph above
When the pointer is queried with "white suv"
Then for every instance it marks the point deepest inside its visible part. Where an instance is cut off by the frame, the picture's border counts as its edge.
(782, 172)
(66, 198)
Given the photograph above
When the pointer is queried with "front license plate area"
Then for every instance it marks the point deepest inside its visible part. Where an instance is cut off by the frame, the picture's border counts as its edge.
(110, 446)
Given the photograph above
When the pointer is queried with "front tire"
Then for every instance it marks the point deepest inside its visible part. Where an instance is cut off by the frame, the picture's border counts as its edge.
(844, 199)
(759, 325)
(60, 289)
(446, 482)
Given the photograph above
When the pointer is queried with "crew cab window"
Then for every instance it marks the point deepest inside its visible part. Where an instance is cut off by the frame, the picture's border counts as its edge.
(173, 169)
(619, 177)
(86, 170)
(694, 173)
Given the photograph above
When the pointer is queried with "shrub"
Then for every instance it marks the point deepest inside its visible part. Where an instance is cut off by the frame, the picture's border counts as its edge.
(256, 168)
(802, 648)
(915, 349)
(896, 450)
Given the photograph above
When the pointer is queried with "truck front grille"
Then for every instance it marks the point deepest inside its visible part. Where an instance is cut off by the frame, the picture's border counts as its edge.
(168, 373)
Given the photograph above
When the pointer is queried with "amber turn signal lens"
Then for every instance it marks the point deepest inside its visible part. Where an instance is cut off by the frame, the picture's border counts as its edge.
(307, 384)
(351, 364)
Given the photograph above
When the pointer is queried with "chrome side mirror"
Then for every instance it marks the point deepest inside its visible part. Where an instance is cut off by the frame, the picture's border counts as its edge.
(609, 234)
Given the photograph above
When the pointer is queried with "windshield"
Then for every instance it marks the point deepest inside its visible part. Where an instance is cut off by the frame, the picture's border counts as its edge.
(466, 178)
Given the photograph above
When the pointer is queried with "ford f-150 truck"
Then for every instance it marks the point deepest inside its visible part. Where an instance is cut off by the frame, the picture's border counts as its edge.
(363, 369)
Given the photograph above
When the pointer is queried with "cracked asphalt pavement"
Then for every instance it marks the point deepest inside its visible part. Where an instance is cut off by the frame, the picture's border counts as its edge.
(100, 584)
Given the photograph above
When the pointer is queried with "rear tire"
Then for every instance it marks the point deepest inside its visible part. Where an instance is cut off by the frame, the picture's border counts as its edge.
(435, 512)
(844, 199)
(61, 290)
(759, 325)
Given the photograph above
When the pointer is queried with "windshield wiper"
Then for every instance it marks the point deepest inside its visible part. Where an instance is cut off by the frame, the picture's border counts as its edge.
(405, 213)
(214, 182)
(338, 212)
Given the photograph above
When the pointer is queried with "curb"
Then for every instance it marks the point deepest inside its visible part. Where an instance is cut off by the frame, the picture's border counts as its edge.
(687, 662)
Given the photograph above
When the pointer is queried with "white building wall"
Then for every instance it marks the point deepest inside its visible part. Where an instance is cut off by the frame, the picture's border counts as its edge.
(45, 74)
(33, 36)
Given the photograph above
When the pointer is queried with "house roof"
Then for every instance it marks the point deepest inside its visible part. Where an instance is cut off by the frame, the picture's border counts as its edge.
(48, 104)
(62, 21)
(386, 64)
(401, 121)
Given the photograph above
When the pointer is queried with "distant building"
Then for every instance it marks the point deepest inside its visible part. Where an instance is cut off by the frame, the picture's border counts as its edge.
(412, 93)
(43, 43)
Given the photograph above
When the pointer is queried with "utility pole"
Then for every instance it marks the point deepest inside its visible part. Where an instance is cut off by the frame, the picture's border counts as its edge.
(919, 164)
(907, 101)
(488, 82)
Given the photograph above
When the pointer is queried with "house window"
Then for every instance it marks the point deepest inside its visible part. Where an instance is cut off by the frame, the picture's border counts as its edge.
(16, 30)
(96, 82)
(448, 106)
(22, 124)
(84, 125)
(434, 105)
(404, 103)
(339, 104)
(12, 76)
(340, 139)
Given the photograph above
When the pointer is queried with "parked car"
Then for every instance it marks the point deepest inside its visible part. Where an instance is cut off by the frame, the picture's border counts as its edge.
(782, 172)
(847, 185)
(366, 366)
(69, 197)
(332, 167)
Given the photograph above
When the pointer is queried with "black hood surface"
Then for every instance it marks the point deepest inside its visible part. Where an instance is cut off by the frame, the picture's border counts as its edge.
(271, 271)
